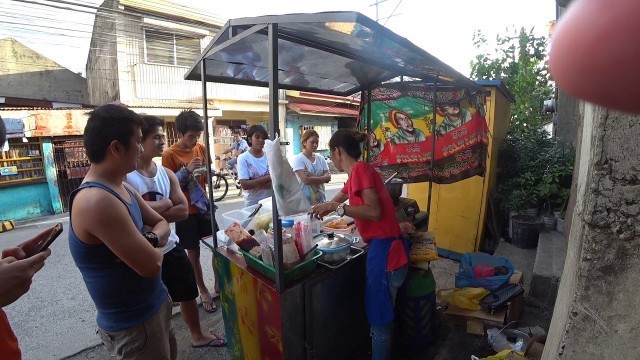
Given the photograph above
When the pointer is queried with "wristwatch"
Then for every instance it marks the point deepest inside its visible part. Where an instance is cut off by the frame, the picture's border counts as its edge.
(152, 238)
(340, 209)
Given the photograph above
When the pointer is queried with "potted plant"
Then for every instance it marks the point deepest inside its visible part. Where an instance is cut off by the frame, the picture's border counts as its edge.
(535, 170)
(555, 184)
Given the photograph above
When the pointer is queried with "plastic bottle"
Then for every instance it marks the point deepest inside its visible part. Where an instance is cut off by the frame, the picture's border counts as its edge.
(287, 228)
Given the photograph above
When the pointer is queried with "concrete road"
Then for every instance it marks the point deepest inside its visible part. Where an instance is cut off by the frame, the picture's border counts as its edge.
(56, 318)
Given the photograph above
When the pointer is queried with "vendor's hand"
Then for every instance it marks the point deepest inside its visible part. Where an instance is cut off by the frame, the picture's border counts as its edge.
(406, 227)
(319, 211)
(196, 162)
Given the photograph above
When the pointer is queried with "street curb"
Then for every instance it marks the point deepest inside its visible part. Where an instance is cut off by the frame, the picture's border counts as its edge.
(49, 219)
(7, 225)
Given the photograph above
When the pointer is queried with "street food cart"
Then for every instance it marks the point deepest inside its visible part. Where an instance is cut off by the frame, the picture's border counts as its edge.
(320, 315)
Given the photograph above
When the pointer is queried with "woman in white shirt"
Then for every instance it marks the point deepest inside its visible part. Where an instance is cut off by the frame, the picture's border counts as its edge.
(311, 168)
(253, 168)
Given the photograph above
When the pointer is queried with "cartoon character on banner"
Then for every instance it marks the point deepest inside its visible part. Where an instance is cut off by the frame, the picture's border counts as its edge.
(406, 132)
(375, 145)
(454, 116)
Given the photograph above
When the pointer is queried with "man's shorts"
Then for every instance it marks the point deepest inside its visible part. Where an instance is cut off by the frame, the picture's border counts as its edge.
(192, 229)
(152, 339)
(178, 275)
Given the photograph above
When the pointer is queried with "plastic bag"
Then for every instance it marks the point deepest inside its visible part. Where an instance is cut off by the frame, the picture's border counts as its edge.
(503, 355)
(498, 339)
(286, 187)
(466, 278)
(423, 247)
(467, 298)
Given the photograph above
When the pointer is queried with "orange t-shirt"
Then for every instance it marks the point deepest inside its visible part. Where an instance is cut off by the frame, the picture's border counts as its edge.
(9, 348)
(174, 158)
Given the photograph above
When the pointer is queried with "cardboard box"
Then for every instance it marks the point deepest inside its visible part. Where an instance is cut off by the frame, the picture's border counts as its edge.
(477, 322)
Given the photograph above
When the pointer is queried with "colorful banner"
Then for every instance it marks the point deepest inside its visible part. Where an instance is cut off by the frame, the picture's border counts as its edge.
(400, 137)
(251, 311)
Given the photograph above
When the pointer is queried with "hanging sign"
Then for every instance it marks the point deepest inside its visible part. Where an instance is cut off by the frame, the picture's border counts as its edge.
(400, 138)
(15, 127)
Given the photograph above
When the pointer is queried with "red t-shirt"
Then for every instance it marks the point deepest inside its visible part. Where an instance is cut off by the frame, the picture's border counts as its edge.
(9, 348)
(363, 176)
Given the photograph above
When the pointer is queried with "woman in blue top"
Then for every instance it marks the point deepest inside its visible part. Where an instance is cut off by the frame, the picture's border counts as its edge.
(311, 168)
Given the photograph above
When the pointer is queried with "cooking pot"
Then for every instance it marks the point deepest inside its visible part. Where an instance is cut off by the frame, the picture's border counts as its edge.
(394, 187)
(334, 247)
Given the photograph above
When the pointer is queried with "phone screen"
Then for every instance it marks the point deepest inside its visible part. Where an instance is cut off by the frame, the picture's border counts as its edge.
(44, 244)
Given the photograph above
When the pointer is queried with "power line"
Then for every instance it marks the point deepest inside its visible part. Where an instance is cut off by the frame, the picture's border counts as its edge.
(392, 13)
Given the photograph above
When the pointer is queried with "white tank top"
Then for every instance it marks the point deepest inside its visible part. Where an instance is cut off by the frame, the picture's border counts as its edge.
(152, 189)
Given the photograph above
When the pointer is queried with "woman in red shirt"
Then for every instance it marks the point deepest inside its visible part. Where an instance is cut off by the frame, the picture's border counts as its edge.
(375, 215)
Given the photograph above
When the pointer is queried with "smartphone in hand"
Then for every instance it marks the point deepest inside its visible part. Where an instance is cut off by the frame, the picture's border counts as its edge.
(44, 244)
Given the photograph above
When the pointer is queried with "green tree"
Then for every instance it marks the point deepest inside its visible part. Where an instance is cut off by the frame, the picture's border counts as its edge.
(519, 59)
(533, 167)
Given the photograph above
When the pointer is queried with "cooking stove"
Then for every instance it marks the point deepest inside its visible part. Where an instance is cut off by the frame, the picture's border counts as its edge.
(407, 209)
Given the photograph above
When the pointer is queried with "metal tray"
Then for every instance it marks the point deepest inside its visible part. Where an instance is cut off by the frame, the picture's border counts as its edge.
(353, 252)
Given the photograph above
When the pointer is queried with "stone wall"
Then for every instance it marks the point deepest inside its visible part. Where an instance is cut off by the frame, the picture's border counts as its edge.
(597, 311)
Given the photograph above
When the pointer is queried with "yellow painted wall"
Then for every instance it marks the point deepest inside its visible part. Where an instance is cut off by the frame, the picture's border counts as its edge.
(458, 209)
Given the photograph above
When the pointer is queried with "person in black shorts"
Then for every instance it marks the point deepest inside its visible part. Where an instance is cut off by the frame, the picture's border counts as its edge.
(187, 155)
(160, 188)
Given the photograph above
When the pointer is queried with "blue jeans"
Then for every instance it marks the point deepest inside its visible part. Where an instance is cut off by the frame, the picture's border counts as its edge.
(381, 334)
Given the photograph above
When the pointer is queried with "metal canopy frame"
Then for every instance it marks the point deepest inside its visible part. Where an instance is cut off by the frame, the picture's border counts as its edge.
(356, 53)
(374, 54)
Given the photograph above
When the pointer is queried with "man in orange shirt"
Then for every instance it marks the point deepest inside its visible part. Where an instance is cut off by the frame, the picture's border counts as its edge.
(186, 155)
(18, 266)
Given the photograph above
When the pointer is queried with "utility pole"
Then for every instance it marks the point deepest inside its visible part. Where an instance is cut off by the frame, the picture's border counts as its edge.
(376, 5)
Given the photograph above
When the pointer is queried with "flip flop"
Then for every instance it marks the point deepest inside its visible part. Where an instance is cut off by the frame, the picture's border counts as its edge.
(212, 343)
(212, 306)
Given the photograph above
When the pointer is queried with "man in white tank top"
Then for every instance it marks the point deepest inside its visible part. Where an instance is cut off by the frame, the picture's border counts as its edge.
(160, 188)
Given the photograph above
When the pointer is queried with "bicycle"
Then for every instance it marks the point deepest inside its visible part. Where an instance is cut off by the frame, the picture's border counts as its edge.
(221, 183)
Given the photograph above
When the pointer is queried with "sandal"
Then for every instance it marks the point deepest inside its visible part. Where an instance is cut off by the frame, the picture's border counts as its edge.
(209, 307)
(216, 342)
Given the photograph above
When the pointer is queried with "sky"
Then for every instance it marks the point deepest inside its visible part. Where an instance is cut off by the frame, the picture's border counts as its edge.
(443, 28)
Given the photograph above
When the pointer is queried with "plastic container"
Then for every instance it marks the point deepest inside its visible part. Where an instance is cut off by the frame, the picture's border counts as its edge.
(241, 216)
(295, 273)
(416, 305)
(526, 230)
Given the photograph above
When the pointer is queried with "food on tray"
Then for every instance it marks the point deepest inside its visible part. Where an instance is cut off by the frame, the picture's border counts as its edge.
(241, 237)
(256, 251)
(290, 256)
(338, 224)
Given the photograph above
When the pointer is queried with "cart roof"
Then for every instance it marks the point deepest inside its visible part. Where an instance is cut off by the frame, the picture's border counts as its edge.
(338, 53)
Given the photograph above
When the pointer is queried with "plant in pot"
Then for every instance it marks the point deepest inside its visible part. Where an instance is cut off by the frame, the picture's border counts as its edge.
(555, 184)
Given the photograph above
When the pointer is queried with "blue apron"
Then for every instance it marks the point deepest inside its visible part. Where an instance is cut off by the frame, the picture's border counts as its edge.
(378, 302)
